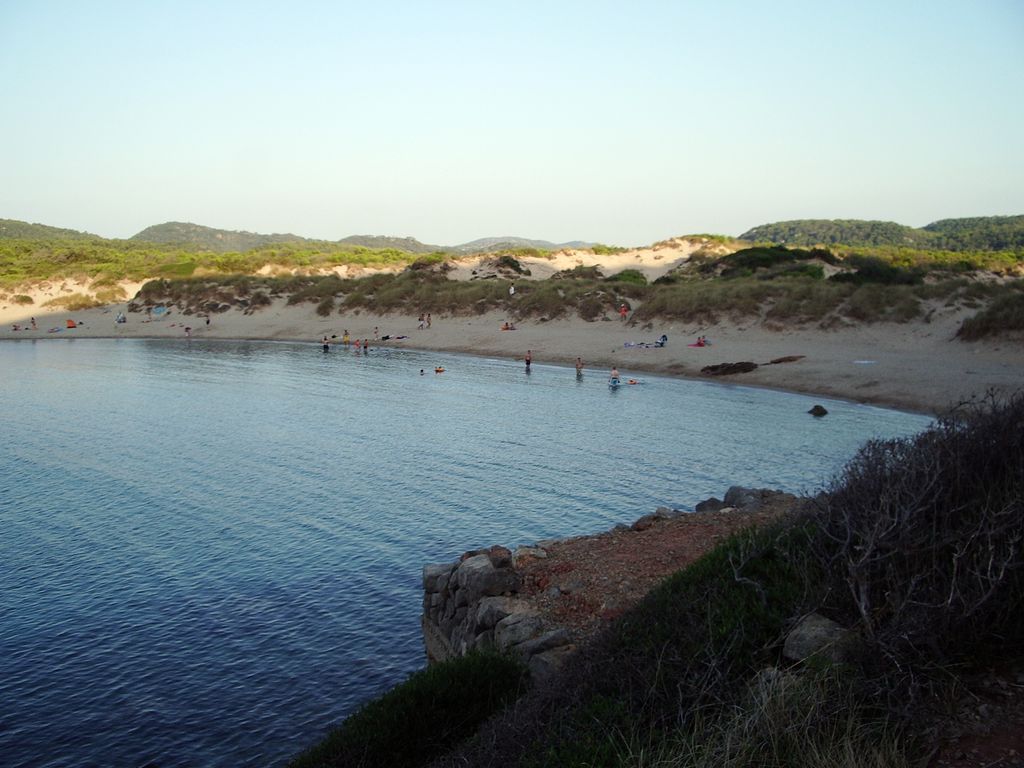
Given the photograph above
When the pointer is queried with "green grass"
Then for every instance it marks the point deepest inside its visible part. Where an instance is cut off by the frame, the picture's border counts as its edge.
(421, 718)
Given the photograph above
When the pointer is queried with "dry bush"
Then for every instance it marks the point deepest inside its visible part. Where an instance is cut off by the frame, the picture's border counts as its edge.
(923, 539)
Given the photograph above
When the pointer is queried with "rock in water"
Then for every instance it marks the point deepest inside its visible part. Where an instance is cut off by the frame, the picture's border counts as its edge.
(818, 410)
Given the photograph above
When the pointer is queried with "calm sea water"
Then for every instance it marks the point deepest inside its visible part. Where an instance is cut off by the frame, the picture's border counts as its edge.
(211, 552)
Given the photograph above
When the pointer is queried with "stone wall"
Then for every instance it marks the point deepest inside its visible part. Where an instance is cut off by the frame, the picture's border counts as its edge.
(473, 604)
(477, 602)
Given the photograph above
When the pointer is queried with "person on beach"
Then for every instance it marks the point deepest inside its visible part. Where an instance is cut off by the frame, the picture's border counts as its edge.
(579, 367)
(512, 290)
(528, 359)
(207, 320)
(345, 338)
(428, 319)
(422, 322)
(376, 333)
(33, 321)
(623, 311)
(188, 331)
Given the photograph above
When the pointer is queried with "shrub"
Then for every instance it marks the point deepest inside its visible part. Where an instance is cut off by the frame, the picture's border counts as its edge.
(1004, 314)
(578, 272)
(785, 720)
(325, 307)
(600, 249)
(423, 717)
(871, 269)
(634, 276)
(427, 262)
(922, 538)
(591, 307)
(21, 298)
(74, 302)
(111, 295)
(875, 303)
(507, 261)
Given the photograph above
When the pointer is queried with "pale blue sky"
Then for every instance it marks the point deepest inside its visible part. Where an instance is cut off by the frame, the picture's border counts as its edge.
(623, 122)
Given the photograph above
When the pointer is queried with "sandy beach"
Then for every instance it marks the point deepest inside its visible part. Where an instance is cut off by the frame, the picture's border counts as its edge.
(917, 366)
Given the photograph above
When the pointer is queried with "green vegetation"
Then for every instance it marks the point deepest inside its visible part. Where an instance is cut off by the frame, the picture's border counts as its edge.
(986, 233)
(600, 249)
(27, 261)
(1006, 313)
(422, 718)
(770, 283)
(11, 229)
(633, 276)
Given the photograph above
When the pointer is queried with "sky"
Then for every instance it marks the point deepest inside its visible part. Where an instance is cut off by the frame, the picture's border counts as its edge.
(623, 123)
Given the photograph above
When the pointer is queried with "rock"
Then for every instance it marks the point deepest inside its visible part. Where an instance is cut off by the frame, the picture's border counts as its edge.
(477, 577)
(500, 557)
(621, 527)
(817, 636)
(786, 359)
(547, 641)
(491, 610)
(434, 574)
(818, 411)
(728, 369)
(645, 522)
(515, 629)
(525, 554)
(573, 584)
(544, 666)
(484, 639)
(709, 505)
(663, 513)
(738, 496)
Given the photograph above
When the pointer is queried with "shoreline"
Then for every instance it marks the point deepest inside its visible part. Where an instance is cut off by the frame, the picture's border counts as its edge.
(918, 367)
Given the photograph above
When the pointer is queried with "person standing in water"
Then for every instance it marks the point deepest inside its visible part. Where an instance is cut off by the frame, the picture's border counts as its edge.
(579, 367)
(529, 359)
(327, 344)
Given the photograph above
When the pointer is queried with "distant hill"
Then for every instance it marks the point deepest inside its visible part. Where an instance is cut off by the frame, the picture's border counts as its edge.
(488, 244)
(985, 233)
(22, 230)
(410, 244)
(222, 240)
(197, 236)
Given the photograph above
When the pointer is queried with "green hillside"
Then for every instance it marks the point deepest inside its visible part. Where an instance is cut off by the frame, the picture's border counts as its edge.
(10, 229)
(207, 238)
(408, 244)
(983, 233)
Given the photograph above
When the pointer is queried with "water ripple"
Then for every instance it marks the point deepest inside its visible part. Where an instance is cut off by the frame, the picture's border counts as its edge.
(211, 551)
